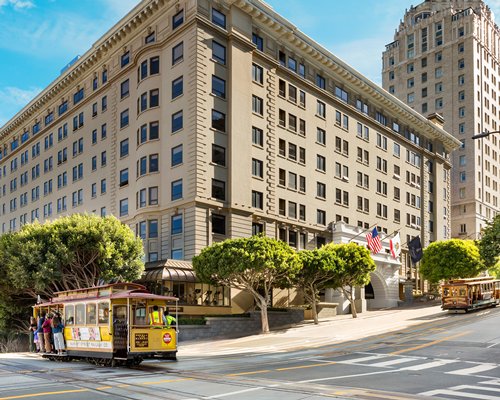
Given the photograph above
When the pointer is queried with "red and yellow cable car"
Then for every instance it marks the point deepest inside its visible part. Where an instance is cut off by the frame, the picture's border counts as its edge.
(462, 295)
(111, 324)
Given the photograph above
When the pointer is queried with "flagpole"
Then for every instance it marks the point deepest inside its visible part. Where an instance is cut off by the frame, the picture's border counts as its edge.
(390, 234)
(359, 234)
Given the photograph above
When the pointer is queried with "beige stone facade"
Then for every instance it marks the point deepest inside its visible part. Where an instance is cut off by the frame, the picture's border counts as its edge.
(445, 59)
(195, 120)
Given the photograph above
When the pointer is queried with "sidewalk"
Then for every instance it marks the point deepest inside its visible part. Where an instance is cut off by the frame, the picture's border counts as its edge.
(328, 331)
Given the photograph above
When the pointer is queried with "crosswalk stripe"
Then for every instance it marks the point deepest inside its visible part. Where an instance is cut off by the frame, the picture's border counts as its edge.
(473, 370)
(490, 389)
(358, 360)
(457, 394)
(428, 365)
(393, 362)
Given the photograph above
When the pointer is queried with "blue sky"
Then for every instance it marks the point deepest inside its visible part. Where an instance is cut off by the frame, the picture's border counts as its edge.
(39, 37)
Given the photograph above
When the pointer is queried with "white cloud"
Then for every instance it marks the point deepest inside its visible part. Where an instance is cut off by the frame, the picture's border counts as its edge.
(13, 99)
(17, 4)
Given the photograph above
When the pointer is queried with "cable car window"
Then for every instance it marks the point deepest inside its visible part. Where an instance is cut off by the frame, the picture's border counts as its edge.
(91, 317)
(69, 312)
(80, 314)
(140, 314)
(463, 292)
(103, 310)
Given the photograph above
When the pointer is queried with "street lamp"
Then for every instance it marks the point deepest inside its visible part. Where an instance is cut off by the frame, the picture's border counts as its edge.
(483, 135)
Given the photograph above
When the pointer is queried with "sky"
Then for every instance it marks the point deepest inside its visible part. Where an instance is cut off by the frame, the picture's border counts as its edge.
(39, 37)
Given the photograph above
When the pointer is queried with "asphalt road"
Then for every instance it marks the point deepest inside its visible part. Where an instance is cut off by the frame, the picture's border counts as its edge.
(452, 358)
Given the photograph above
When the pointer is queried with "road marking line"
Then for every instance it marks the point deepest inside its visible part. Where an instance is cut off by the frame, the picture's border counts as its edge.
(456, 394)
(218, 396)
(122, 385)
(427, 365)
(473, 370)
(359, 359)
(307, 366)
(422, 346)
(24, 396)
(393, 362)
(384, 396)
(248, 373)
(104, 387)
(388, 371)
(474, 388)
(163, 381)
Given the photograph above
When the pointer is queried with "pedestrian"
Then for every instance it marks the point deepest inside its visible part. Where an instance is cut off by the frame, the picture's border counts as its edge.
(57, 331)
(47, 333)
(32, 331)
(39, 331)
(168, 319)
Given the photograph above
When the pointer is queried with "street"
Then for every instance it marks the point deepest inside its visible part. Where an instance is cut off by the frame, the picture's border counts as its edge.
(452, 357)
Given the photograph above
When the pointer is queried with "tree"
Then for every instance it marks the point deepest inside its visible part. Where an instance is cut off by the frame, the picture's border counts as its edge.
(354, 266)
(318, 268)
(489, 245)
(255, 264)
(67, 253)
(449, 259)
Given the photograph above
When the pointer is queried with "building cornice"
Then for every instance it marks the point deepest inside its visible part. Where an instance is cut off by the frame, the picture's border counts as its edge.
(291, 36)
(112, 39)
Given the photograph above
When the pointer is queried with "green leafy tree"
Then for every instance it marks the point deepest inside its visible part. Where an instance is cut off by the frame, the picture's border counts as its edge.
(318, 268)
(255, 264)
(451, 259)
(489, 246)
(354, 266)
(67, 253)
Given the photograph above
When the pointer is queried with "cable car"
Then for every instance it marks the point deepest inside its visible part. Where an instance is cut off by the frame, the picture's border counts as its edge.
(462, 295)
(110, 324)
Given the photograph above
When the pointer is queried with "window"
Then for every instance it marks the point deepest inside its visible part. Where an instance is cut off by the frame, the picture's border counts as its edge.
(125, 59)
(176, 155)
(341, 94)
(153, 196)
(257, 105)
(320, 163)
(258, 41)
(321, 190)
(178, 19)
(218, 52)
(257, 74)
(177, 87)
(176, 190)
(177, 121)
(321, 217)
(104, 103)
(321, 136)
(461, 63)
(103, 186)
(320, 81)
(218, 18)
(177, 53)
(78, 96)
(257, 168)
(218, 87)
(257, 136)
(176, 224)
(218, 155)
(124, 118)
(257, 200)
(321, 109)
(124, 148)
(218, 224)
(124, 89)
(103, 159)
(218, 189)
(218, 121)
(124, 177)
(62, 108)
(150, 38)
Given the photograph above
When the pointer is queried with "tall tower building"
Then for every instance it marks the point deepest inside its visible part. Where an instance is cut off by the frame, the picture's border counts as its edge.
(445, 59)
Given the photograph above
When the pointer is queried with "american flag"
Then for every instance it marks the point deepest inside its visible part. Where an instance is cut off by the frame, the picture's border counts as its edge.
(374, 243)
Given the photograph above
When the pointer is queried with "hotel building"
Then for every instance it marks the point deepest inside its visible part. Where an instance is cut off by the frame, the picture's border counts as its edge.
(194, 121)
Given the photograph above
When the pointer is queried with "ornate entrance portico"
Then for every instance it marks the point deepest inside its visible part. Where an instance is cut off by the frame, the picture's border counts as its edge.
(384, 280)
